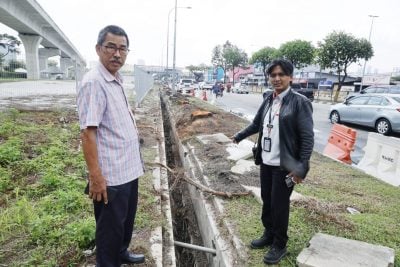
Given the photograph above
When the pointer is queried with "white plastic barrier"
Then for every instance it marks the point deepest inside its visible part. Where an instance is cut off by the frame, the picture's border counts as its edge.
(382, 158)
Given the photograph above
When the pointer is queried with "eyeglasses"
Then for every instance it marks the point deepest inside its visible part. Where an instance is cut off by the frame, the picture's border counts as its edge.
(280, 74)
(112, 50)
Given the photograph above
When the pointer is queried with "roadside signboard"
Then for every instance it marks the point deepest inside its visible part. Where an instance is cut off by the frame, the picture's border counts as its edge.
(378, 79)
(347, 88)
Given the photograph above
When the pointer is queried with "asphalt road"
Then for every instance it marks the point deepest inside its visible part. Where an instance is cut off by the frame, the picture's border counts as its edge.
(246, 105)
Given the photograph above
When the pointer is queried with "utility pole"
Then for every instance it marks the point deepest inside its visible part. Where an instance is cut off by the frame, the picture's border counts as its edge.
(369, 40)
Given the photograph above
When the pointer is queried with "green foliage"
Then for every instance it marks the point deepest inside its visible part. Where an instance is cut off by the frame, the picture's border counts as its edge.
(10, 43)
(44, 208)
(330, 187)
(301, 53)
(235, 57)
(5, 179)
(194, 68)
(52, 63)
(13, 65)
(339, 50)
(12, 75)
(264, 56)
(216, 58)
(10, 151)
(228, 57)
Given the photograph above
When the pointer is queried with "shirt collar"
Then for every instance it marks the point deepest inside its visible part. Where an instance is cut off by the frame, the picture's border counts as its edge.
(282, 95)
(107, 75)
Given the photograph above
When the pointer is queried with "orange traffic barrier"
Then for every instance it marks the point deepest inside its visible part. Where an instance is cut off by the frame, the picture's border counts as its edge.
(205, 95)
(192, 92)
(341, 142)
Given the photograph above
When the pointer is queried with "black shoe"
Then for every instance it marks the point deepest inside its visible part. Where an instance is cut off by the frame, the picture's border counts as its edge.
(274, 255)
(128, 257)
(264, 241)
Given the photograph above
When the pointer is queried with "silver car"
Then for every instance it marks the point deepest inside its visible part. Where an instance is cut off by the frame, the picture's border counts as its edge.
(380, 111)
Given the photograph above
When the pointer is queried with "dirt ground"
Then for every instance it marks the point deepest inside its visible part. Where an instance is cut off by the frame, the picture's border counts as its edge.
(216, 166)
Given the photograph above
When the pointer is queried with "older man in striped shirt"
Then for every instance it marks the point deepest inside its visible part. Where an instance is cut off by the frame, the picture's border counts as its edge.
(110, 144)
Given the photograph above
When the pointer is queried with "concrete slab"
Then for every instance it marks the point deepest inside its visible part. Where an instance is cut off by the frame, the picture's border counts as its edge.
(240, 151)
(213, 138)
(331, 251)
(256, 192)
(243, 166)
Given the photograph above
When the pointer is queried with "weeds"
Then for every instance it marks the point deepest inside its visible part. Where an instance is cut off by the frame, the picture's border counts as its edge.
(43, 210)
(331, 188)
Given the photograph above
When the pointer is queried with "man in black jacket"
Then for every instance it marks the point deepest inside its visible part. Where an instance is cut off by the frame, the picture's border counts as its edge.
(284, 125)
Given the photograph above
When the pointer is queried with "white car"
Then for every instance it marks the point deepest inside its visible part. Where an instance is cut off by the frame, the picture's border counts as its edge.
(208, 85)
(186, 86)
(240, 88)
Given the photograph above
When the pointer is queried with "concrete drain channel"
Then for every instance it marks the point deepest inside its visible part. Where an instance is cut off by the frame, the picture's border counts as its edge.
(195, 219)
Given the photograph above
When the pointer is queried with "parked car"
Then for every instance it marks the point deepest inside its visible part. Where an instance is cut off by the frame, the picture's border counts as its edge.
(381, 112)
(240, 88)
(307, 92)
(377, 89)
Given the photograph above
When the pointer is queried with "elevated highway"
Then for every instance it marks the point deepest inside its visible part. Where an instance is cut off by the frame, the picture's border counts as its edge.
(40, 35)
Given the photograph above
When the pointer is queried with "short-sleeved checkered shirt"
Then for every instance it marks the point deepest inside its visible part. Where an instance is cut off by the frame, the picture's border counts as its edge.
(102, 103)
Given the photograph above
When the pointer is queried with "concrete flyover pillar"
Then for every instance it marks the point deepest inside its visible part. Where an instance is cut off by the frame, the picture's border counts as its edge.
(80, 70)
(44, 54)
(31, 44)
(65, 63)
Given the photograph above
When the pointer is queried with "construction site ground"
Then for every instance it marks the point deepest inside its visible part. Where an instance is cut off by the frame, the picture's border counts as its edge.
(36, 185)
(330, 190)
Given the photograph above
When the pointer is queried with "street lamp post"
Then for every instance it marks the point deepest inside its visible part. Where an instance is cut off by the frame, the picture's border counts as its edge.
(369, 40)
(169, 13)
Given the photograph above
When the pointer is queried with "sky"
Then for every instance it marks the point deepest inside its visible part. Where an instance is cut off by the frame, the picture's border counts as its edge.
(251, 25)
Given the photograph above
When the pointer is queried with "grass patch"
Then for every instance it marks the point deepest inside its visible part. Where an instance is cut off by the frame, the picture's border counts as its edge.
(43, 211)
(332, 187)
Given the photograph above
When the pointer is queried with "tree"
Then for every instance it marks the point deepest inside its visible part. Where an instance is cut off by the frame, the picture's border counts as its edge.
(300, 53)
(228, 56)
(52, 63)
(10, 43)
(218, 59)
(198, 71)
(264, 56)
(201, 67)
(14, 64)
(235, 58)
(339, 50)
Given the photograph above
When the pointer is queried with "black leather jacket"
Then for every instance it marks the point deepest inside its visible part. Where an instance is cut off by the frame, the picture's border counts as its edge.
(295, 132)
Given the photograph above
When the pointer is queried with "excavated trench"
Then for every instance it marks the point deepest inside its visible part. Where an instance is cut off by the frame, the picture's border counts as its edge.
(185, 226)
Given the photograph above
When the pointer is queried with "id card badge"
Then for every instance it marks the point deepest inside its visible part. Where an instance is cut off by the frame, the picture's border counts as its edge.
(267, 144)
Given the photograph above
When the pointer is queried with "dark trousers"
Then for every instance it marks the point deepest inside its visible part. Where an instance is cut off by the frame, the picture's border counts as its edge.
(114, 224)
(276, 202)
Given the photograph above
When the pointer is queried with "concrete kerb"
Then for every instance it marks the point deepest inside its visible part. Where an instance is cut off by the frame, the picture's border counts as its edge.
(208, 215)
(206, 211)
(168, 236)
(162, 247)
(238, 246)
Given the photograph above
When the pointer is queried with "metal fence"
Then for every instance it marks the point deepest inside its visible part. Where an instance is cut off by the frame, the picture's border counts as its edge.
(144, 80)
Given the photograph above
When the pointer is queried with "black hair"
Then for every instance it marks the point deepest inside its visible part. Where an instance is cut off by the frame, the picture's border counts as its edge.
(111, 29)
(286, 66)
